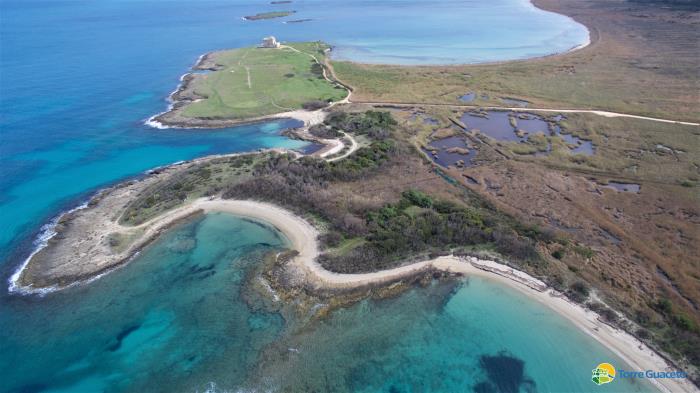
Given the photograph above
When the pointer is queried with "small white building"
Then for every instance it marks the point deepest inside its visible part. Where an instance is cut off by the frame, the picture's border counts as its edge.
(270, 42)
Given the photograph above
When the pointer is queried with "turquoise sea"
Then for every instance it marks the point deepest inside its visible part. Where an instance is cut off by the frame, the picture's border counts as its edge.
(77, 79)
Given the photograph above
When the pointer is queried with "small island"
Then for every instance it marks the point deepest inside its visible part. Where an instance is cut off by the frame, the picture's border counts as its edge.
(252, 84)
(269, 15)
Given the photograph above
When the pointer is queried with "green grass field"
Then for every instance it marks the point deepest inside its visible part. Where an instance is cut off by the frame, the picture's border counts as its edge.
(256, 82)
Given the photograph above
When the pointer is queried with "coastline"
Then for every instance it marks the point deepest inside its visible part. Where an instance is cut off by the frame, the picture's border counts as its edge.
(527, 196)
(591, 39)
(55, 225)
(302, 238)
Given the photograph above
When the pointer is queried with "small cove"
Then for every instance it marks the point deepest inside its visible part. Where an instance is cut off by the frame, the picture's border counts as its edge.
(428, 339)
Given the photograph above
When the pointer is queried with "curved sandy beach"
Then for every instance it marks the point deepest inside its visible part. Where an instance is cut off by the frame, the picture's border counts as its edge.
(302, 238)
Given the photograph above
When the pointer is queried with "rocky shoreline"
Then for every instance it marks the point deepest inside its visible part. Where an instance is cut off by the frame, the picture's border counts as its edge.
(184, 94)
(81, 223)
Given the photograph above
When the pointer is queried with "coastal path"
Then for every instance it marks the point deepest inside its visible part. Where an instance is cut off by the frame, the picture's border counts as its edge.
(521, 109)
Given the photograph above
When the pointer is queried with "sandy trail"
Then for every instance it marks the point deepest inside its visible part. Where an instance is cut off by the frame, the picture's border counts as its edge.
(521, 109)
(247, 71)
(353, 147)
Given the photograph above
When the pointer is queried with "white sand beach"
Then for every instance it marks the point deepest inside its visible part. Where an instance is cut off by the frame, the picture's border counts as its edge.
(302, 237)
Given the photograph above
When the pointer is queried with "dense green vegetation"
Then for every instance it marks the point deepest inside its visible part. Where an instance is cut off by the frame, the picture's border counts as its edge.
(373, 124)
(378, 237)
(295, 183)
(254, 82)
(204, 179)
(674, 330)
(419, 224)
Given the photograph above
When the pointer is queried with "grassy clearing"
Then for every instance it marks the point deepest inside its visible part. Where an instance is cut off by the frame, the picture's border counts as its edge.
(253, 82)
(347, 245)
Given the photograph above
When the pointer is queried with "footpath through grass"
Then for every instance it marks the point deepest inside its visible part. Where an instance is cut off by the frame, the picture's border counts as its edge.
(255, 82)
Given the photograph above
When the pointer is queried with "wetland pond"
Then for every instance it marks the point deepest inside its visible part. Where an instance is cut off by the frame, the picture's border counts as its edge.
(468, 97)
(452, 151)
(519, 127)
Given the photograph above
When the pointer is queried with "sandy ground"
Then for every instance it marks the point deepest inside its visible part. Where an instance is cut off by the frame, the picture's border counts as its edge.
(332, 146)
(353, 147)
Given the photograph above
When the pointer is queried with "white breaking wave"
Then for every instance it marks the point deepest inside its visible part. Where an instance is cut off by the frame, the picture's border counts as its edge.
(46, 232)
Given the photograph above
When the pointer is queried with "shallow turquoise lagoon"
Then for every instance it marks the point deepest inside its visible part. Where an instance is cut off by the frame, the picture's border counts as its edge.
(179, 319)
(468, 336)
